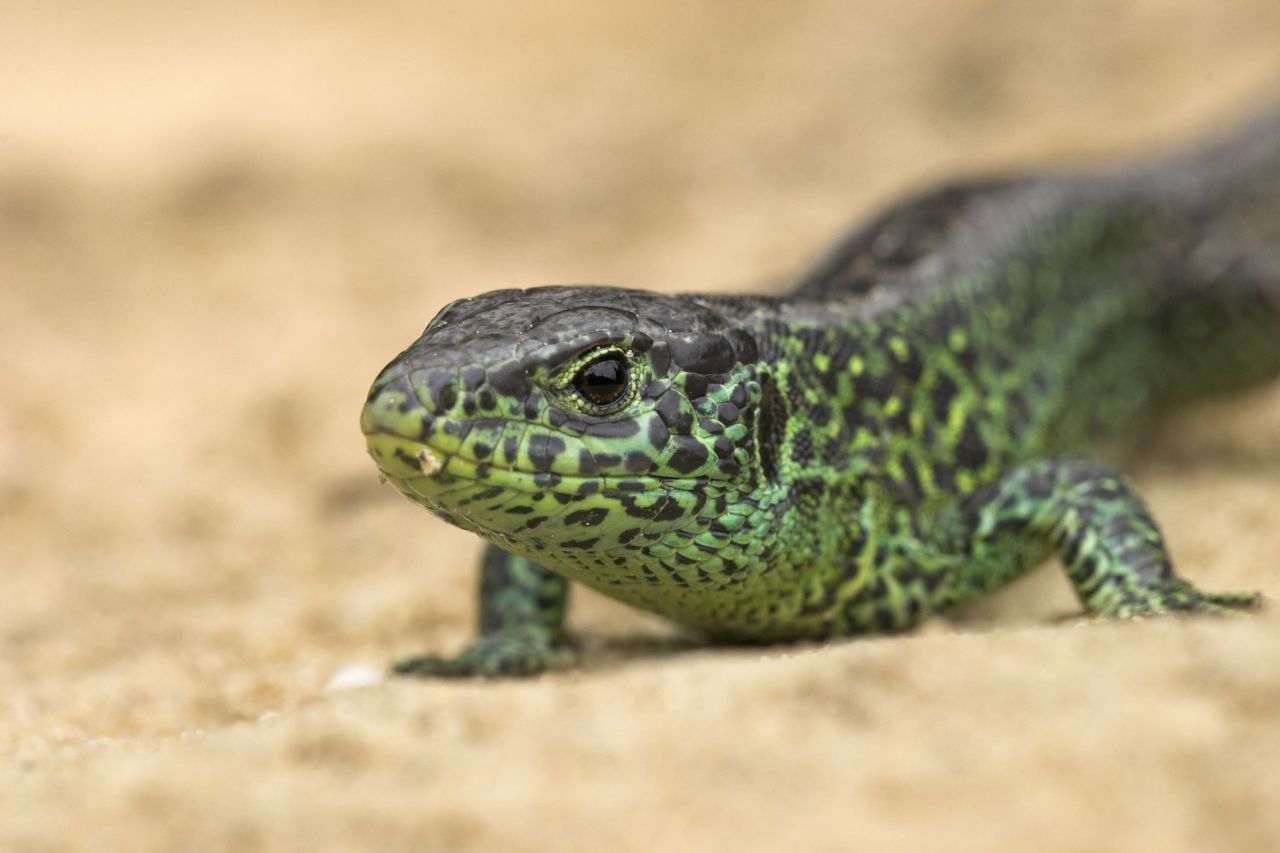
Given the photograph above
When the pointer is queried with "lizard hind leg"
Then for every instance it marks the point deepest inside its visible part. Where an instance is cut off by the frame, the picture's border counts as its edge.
(1089, 516)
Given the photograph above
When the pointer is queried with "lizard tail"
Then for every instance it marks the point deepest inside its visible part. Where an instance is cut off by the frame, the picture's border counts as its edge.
(1222, 331)
(1232, 184)
(1234, 161)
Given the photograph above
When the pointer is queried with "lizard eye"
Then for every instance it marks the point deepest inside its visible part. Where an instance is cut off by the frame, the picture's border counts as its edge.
(603, 381)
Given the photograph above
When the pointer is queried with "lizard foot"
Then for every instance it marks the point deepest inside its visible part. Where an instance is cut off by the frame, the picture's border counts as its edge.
(1175, 595)
(500, 655)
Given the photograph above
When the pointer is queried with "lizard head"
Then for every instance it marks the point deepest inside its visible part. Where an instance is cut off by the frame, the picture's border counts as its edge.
(604, 433)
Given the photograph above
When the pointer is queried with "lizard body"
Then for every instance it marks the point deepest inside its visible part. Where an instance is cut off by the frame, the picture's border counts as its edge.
(901, 433)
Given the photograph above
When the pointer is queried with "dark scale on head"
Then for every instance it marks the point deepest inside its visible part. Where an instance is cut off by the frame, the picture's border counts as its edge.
(703, 354)
(710, 426)
(587, 517)
(695, 385)
(544, 450)
(614, 429)
(637, 462)
(675, 412)
(656, 389)
(658, 433)
(689, 454)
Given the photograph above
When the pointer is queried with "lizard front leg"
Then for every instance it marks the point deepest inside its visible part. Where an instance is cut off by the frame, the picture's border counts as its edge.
(1088, 515)
(521, 623)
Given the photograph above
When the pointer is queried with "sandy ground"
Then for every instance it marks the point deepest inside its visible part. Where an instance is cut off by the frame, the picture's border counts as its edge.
(217, 223)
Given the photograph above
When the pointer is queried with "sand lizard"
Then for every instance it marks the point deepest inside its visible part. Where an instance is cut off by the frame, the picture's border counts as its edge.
(899, 434)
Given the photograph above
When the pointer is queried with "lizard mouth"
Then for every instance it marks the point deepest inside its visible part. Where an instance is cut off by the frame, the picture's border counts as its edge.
(428, 471)
(515, 508)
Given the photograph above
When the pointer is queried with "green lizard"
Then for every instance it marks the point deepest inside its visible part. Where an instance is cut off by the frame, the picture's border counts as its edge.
(898, 435)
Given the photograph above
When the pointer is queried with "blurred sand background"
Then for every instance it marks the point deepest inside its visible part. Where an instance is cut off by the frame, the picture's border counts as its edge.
(218, 221)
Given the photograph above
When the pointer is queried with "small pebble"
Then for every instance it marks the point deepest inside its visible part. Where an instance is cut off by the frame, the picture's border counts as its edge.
(354, 676)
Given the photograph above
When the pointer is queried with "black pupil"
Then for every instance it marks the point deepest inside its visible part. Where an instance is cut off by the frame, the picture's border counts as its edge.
(603, 381)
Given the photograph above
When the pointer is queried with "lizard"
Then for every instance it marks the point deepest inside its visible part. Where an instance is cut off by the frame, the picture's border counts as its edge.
(907, 429)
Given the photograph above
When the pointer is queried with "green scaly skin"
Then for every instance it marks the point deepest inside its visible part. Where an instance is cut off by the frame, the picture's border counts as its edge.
(900, 434)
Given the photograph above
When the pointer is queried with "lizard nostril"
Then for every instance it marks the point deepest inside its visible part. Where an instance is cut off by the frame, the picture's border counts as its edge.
(385, 379)
(392, 407)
